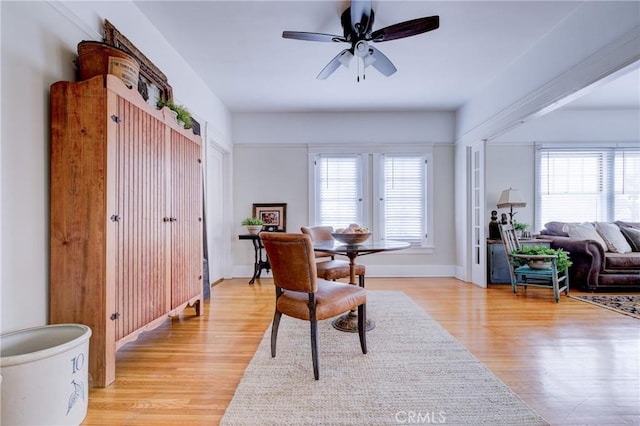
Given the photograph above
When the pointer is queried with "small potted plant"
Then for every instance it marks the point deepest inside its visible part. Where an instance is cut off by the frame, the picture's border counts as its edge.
(520, 228)
(182, 114)
(562, 262)
(253, 225)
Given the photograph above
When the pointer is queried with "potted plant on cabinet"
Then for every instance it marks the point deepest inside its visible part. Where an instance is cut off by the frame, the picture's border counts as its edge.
(253, 225)
(182, 114)
(520, 228)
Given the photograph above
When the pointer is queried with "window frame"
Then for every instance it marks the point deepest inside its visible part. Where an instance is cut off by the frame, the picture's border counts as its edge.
(372, 175)
(608, 152)
(363, 198)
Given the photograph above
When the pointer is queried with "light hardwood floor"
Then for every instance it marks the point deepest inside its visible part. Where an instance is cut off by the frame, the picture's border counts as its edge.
(572, 362)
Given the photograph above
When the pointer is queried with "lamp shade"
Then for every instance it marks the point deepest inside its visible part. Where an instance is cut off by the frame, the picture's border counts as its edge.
(511, 198)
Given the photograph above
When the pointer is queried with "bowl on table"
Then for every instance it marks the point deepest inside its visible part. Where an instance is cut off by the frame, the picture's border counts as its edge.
(351, 238)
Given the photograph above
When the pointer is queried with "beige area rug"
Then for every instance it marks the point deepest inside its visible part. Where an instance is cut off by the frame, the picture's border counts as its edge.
(414, 372)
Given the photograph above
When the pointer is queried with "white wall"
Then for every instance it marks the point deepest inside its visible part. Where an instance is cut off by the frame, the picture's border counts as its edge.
(587, 125)
(510, 166)
(271, 154)
(343, 127)
(39, 42)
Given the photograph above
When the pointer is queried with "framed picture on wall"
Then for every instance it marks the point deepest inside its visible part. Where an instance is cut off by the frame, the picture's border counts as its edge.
(274, 215)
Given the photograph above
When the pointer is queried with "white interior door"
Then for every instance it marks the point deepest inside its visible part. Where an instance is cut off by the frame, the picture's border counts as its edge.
(216, 172)
(478, 248)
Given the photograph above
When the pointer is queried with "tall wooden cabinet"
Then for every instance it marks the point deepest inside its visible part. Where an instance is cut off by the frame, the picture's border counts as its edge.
(126, 216)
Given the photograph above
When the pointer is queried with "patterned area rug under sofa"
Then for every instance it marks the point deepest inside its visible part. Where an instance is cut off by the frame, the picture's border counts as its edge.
(605, 255)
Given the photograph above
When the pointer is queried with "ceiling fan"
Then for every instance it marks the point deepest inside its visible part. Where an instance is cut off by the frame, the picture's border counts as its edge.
(357, 24)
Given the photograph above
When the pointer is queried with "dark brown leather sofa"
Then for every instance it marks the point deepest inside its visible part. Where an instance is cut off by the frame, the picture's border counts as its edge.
(593, 267)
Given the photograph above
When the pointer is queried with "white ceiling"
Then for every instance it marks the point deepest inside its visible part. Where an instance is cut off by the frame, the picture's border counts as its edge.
(238, 50)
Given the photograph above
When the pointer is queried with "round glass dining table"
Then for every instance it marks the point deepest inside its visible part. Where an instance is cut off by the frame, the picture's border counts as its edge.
(349, 322)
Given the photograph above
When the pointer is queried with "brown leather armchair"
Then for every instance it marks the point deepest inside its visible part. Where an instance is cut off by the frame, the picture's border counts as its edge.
(331, 269)
(301, 294)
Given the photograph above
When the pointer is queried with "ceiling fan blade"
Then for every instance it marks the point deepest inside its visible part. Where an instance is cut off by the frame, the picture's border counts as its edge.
(381, 62)
(299, 35)
(406, 29)
(333, 65)
(360, 16)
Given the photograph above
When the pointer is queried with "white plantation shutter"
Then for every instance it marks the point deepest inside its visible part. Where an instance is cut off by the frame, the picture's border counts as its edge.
(339, 190)
(388, 192)
(572, 186)
(587, 185)
(404, 198)
(627, 185)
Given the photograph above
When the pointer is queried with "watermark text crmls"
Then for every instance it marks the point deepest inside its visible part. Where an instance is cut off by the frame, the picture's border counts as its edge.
(421, 417)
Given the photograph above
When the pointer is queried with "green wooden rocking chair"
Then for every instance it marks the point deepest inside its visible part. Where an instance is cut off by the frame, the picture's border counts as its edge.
(524, 271)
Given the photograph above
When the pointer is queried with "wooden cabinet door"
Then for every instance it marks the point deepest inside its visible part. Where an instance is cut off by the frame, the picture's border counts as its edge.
(141, 200)
(186, 210)
(498, 264)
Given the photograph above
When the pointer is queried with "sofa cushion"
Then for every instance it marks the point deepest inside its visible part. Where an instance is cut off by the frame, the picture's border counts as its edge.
(633, 237)
(585, 231)
(613, 238)
(625, 261)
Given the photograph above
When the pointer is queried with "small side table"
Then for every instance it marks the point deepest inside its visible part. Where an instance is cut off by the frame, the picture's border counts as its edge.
(259, 264)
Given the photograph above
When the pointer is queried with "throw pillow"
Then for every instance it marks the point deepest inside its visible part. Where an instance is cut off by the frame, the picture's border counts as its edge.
(585, 231)
(633, 237)
(556, 228)
(612, 236)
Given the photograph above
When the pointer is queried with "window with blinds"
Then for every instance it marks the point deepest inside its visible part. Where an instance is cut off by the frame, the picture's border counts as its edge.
(403, 199)
(626, 181)
(587, 185)
(339, 190)
(392, 202)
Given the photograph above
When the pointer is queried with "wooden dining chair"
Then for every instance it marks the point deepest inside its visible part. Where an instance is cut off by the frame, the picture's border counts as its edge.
(328, 267)
(524, 275)
(301, 294)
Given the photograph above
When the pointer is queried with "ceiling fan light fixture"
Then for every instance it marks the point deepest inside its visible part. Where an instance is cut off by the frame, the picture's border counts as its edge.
(345, 59)
(361, 48)
(368, 60)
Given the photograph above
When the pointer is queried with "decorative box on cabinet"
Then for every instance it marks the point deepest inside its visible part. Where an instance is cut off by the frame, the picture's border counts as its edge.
(126, 216)
(498, 267)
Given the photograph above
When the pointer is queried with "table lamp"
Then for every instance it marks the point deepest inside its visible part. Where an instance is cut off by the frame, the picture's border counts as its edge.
(511, 198)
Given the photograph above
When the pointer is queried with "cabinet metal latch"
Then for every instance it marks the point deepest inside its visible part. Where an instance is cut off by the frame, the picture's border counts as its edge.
(114, 316)
(116, 119)
(115, 218)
